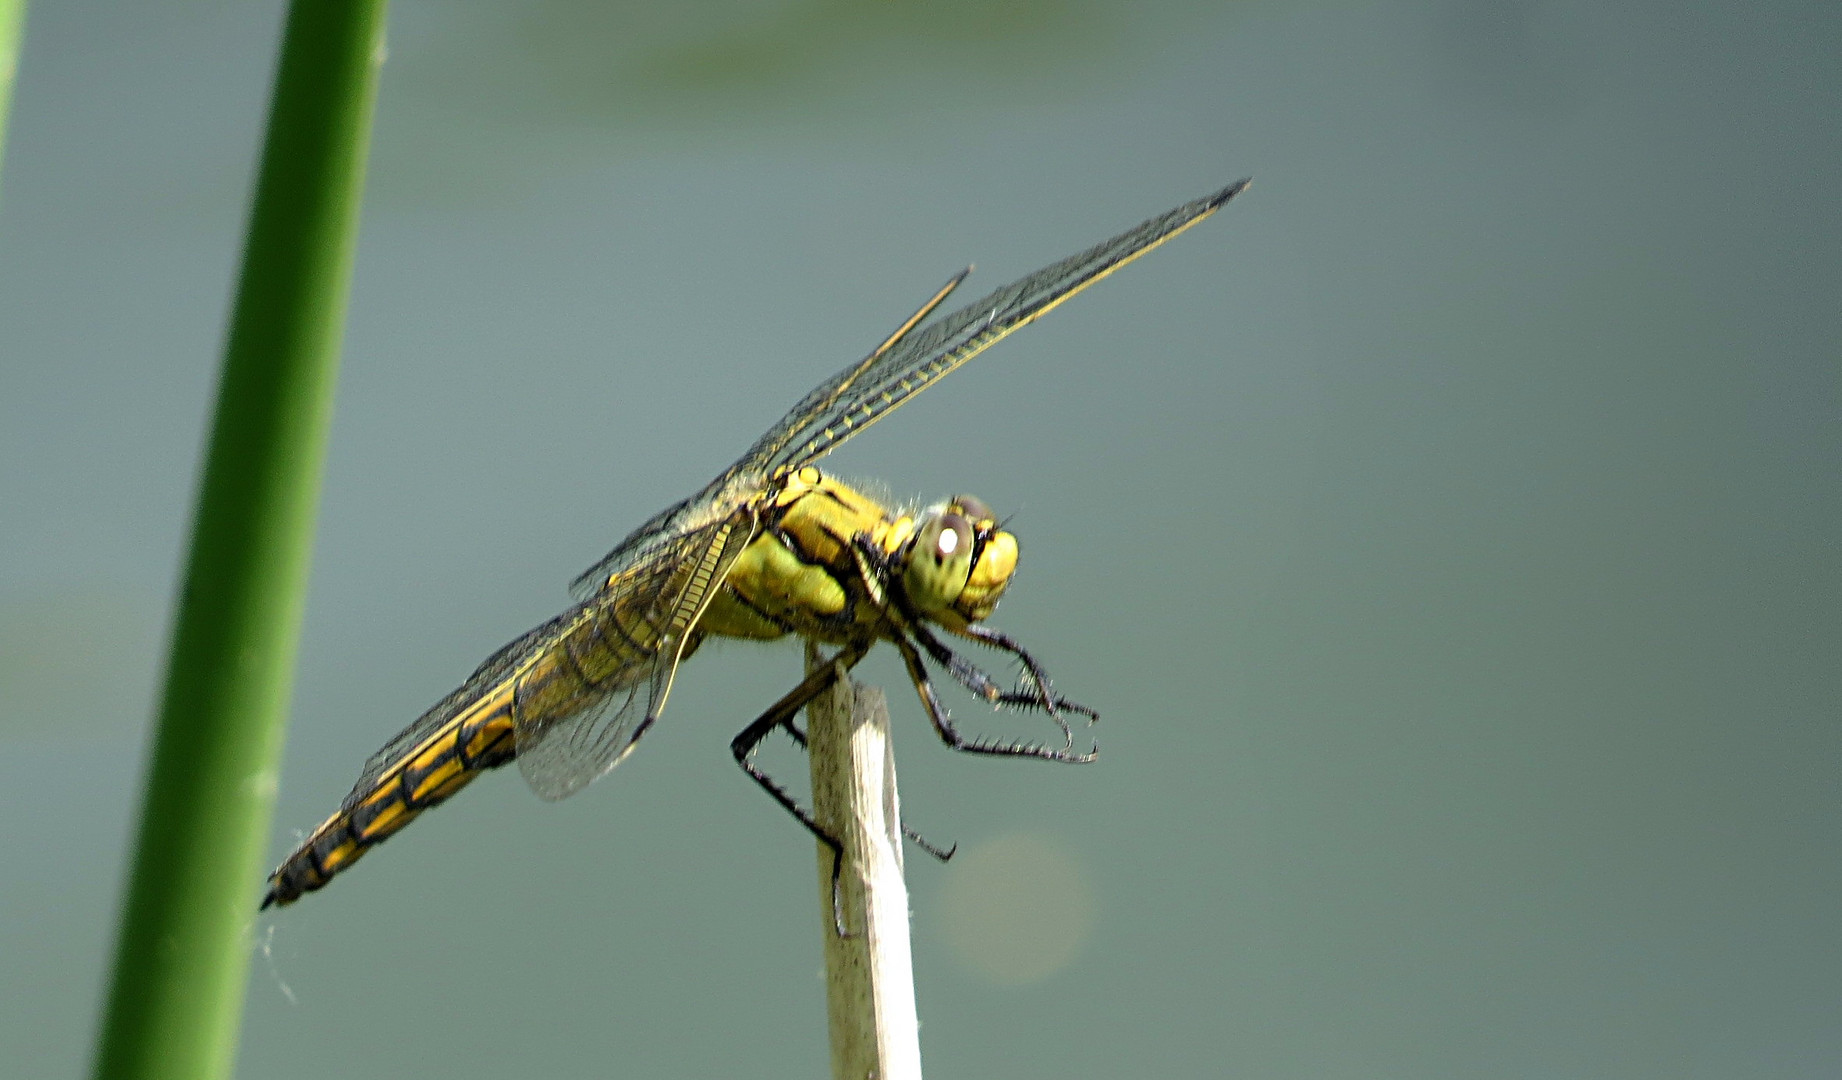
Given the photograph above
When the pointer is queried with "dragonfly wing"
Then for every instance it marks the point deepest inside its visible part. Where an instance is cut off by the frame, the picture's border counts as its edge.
(728, 492)
(866, 391)
(667, 531)
(703, 578)
(579, 709)
(561, 758)
(909, 361)
(497, 668)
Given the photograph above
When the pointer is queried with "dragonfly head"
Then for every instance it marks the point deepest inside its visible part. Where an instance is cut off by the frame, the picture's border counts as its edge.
(959, 562)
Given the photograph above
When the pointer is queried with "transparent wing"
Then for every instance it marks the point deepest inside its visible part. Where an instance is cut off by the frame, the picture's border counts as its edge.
(866, 391)
(664, 535)
(908, 362)
(725, 494)
(561, 758)
(485, 679)
(578, 710)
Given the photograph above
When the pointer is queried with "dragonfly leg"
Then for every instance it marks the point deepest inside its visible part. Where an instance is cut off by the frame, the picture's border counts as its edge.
(972, 678)
(943, 721)
(875, 566)
(942, 853)
(780, 715)
(1039, 678)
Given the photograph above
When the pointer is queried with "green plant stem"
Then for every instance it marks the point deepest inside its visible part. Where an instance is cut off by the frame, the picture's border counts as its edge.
(183, 955)
(12, 32)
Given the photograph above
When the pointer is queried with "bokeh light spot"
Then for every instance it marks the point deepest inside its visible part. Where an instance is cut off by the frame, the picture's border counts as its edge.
(1017, 908)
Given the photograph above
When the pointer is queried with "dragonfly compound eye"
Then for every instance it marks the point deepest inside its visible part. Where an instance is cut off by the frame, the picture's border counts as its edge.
(939, 561)
(974, 509)
(954, 539)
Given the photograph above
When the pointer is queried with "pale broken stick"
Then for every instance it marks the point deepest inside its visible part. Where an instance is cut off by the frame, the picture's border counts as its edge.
(869, 979)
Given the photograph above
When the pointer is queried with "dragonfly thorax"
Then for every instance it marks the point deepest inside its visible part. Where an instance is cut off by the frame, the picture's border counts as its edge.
(834, 564)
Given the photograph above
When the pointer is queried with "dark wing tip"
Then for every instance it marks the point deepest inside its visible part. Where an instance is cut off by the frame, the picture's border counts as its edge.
(1230, 191)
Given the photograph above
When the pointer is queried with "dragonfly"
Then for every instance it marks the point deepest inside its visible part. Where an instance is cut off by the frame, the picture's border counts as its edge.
(771, 548)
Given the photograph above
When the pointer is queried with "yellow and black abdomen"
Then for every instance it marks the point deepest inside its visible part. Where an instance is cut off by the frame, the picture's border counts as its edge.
(553, 673)
(476, 739)
(799, 576)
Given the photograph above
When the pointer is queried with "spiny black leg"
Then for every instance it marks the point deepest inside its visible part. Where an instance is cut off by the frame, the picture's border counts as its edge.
(922, 842)
(943, 723)
(1033, 671)
(972, 678)
(997, 639)
(780, 714)
(837, 889)
(875, 566)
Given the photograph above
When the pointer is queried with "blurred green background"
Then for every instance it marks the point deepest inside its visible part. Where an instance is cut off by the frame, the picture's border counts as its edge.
(1447, 531)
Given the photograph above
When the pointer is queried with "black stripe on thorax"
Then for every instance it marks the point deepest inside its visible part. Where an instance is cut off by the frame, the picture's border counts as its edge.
(849, 585)
(766, 616)
(833, 495)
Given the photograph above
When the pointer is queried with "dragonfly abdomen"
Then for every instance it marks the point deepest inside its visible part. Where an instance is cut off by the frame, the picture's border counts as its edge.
(605, 650)
(478, 738)
(603, 653)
